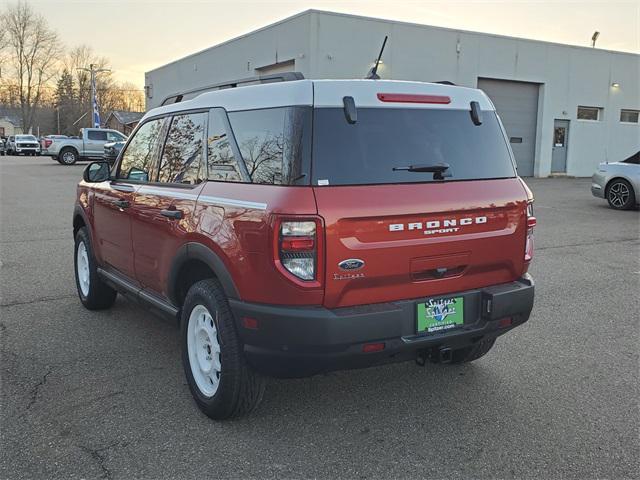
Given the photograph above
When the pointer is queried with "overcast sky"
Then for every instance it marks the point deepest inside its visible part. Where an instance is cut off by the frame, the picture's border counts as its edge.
(139, 35)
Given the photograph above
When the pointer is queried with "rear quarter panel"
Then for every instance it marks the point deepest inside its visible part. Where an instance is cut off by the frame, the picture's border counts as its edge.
(241, 236)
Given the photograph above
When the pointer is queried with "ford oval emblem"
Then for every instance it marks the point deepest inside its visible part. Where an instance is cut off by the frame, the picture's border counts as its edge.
(351, 264)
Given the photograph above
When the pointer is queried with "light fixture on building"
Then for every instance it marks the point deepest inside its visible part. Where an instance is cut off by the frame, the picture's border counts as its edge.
(615, 85)
(594, 37)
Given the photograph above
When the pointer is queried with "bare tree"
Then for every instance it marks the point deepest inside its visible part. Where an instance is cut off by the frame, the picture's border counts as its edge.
(32, 56)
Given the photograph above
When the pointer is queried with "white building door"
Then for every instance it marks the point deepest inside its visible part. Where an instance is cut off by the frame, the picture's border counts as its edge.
(560, 142)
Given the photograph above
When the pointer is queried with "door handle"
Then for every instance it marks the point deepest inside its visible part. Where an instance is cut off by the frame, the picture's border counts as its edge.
(121, 203)
(172, 214)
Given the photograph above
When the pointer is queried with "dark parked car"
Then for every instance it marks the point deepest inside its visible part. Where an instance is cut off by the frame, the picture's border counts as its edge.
(3, 146)
(111, 151)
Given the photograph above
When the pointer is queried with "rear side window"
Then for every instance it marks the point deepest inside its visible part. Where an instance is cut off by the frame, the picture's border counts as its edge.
(138, 158)
(383, 138)
(274, 143)
(222, 164)
(96, 135)
(183, 150)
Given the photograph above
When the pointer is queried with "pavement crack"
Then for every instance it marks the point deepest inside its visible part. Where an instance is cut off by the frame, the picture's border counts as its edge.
(100, 456)
(36, 389)
(36, 300)
(28, 240)
(597, 242)
(87, 403)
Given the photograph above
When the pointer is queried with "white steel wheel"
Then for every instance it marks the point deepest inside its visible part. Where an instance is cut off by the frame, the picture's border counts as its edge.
(203, 350)
(82, 267)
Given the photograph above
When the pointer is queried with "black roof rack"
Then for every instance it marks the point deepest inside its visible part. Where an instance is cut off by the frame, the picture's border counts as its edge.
(446, 82)
(261, 79)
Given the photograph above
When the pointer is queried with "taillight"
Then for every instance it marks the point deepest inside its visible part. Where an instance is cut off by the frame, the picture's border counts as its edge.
(531, 222)
(298, 248)
(47, 142)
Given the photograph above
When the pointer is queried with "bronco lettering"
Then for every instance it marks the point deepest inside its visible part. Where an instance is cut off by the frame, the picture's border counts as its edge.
(436, 224)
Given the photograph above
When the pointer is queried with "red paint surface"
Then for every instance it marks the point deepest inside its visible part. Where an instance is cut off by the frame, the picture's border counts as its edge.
(352, 222)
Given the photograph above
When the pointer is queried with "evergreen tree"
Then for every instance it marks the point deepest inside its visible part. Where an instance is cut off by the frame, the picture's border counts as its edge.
(66, 104)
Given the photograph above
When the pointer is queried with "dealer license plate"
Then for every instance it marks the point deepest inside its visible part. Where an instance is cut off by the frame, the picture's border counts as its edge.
(439, 314)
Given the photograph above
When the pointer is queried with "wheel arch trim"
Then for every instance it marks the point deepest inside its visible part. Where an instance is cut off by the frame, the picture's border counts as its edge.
(79, 212)
(197, 251)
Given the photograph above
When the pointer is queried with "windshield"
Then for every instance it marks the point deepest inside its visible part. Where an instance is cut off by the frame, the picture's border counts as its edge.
(383, 138)
(26, 137)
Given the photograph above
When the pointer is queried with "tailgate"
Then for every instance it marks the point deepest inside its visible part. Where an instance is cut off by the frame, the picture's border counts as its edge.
(418, 240)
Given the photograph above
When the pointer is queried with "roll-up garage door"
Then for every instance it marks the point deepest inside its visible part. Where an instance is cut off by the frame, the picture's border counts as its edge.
(517, 105)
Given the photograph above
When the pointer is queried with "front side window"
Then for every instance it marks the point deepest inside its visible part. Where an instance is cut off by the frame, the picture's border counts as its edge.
(97, 135)
(137, 159)
(115, 137)
(274, 143)
(222, 165)
(182, 155)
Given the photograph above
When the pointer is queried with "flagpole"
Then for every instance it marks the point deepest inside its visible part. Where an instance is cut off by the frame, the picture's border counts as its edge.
(95, 114)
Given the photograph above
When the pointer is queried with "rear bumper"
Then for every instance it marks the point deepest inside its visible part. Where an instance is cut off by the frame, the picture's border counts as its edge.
(303, 341)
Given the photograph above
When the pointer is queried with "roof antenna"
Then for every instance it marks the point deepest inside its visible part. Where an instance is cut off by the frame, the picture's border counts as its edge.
(373, 73)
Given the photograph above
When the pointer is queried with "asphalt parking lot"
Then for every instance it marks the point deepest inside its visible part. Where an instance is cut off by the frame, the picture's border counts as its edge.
(102, 395)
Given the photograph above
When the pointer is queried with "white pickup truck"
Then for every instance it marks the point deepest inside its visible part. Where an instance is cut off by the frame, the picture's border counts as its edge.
(90, 145)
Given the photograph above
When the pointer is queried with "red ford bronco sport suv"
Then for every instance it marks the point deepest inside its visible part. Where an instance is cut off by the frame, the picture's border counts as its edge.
(312, 225)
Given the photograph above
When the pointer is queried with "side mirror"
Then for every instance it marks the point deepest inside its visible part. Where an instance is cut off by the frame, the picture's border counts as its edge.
(96, 172)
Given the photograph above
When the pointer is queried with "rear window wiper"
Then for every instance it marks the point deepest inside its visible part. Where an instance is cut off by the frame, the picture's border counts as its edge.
(439, 170)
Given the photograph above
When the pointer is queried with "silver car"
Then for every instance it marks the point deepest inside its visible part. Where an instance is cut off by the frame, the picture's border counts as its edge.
(619, 183)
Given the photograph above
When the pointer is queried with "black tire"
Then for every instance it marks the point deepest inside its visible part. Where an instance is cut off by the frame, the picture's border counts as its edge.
(68, 156)
(469, 354)
(620, 194)
(98, 295)
(240, 389)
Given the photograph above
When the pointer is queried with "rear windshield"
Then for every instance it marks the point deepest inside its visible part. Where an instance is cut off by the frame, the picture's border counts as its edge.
(383, 138)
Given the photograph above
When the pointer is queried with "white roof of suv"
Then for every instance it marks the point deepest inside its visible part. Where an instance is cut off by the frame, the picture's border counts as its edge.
(329, 93)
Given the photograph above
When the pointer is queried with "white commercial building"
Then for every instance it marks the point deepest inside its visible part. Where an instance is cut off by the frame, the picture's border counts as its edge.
(565, 108)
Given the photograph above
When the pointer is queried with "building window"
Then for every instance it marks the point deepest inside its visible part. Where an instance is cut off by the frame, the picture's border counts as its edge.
(589, 113)
(629, 116)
